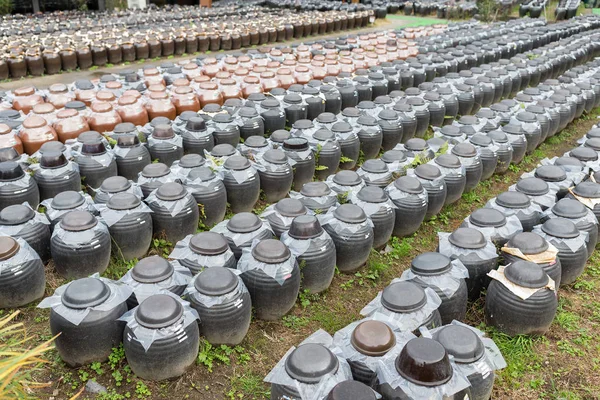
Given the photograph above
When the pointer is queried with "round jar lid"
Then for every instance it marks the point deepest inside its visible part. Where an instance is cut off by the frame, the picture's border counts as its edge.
(468, 120)
(128, 140)
(403, 297)
(467, 238)
(513, 129)
(388, 115)
(248, 112)
(526, 274)
(451, 131)
(584, 154)
(84, 293)
(424, 362)
(315, 189)
(569, 208)
(372, 194)
(480, 140)
(195, 124)
(275, 156)
(10, 171)
(588, 189)
(256, 141)
(324, 135)
(428, 172)
(485, 217)
(560, 228)
(191, 161)
(351, 390)
(237, 163)
(310, 362)
(123, 201)
(513, 200)
(53, 160)
(375, 166)
(244, 222)
(550, 173)
(290, 207)
(115, 184)
(391, 156)
(367, 120)
(341, 127)
(152, 269)
(528, 243)
(305, 227)
(158, 311)
(350, 213)
(326, 118)
(464, 150)
(593, 143)
(303, 124)
(448, 161)
(347, 178)
(67, 200)
(16, 214)
(430, 263)
(222, 150)
(372, 338)
(9, 247)
(223, 118)
(415, 144)
(155, 170)
(295, 144)
(216, 281)
(532, 186)
(408, 184)
(124, 127)
(271, 251)
(279, 136)
(461, 342)
(171, 191)
(208, 243)
(52, 146)
(77, 221)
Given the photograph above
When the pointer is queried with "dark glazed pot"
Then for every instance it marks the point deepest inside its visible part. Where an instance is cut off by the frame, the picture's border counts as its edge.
(16, 187)
(111, 186)
(196, 138)
(56, 175)
(247, 224)
(454, 178)
(575, 211)
(488, 157)
(383, 219)
(210, 194)
(164, 146)
(391, 129)
(317, 197)
(209, 249)
(297, 149)
(276, 175)
(132, 234)
(435, 185)
(168, 198)
(242, 183)
(468, 156)
(154, 175)
(131, 157)
(410, 200)
(21, 282)
(95, 164)
(370, 136)
(349, 143)
(21, 219)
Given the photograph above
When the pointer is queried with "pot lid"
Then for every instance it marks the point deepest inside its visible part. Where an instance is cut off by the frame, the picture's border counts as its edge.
(152, 269)
(468, 120)
(195, 124)
(408, 184)
(367, 120)
(375, 166)
(75, 105)
(593, 133)
(237, 163)
(347, 178)
(372, 194)
(448, 161)
(430, 263)
(67, 200)
(415, 144)
(305, 227)
(315, 189)
(513, 200)
(271, 251)
(310, 362)
(467, 238)
(587, 189)
(208, 243)
(499, 107)
(290, 207)
(223, 118)
(388, 115)
(351, 390)
(424, 362)
(171, 191)
(222, 150)
(187, 115)
(120, 201)
(529, 243)
(326, 118)
(498, 136)
(303, 124)
(155, 170)
(485, 113)
(93, 148)
(341, 127)
(124, 127)
(279, 136)
(461, 342)
(550, 173)
(248, 112)
(532, 186)
(487, 217)
(402, 107)
(292, 98)
(115, 184)
(513, 129)
(526, 116)
(464, 150)
(53, 160)
(244, 222)
(481, 140)
(269, 103)
(216, 281)
(10, 171)
(428, 172)
(296, 144)
(350, 213)
(560, 228)
(403, 297)
(8, 247)
(77, 221)
(324, 134)
(52, 146)
(191, 161)
(391, 156)
(128, 141)
(16, 214)
(584, 154)
(593, 143)
(351, 112)
(89, 137)
(158, 311)
(569, 208)
(451, 130)
(372, 338)
(85, 292)
(526, 274)
(256, 141)
(366, 104)
(163, 132)
(274, 156)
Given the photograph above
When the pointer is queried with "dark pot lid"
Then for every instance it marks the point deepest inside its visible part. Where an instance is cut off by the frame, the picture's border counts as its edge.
(244, 222)
(415, 144)
(323, 135)
(372, 194)
(124, 127)
(481, 140)
(526, 274)
(593, 143)
(388, 115)
(587, 189)
(403, 297)
(290, 207)
(271, 251)
(202, 173)
(468, 120)
(10, 171)
(248, 112)
(351, 390)
(16, 214)
(275, 156)
(408, 184)
(208, 243)
(375, 166)
(550, 173)
(310, 362)
(424, 362)
(464, 150)
(155, 170)
(216, 281)
(67, 200)
(461, 342)
(237, 163)
(569, 208)
(84, 293)
(191, 161)
(485, 113)
(128, 140)
(256, 141)
(53, 160)
(428, 172)
(341, 127)
(467, 238)
(9, 247)
(223, 118)
(451, 131)
(430, 263)
(158, 311)
(10, 114)
(303, 124)
(351, 112)
(171, 191)
(347, 178)
(391, 156)
(122, 201)
(163, 132)
(77, 221)
(152, 269)
(52, 146)
(532, 186)
(292, 98)
(187, 115)
(584, 154)
(560, 228)
(195, 124)
(326, 118)
(315, 189)
(296, 144)
(93, 148)
(305, 227)
(593, 133)
(350, 213)
(222, 150)
(513, 200)
(448, 161)
(513, 129)
(499, 107)
(402, 107)
(529, 243)
(372, 338)
(487, 217)
(526, 116)
(367, 120)
(498, 136)
(115, 184)
(89, 137)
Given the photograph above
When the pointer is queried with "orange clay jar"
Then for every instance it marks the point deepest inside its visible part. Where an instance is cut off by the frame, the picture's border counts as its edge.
(35, 133)
(59, 95)
(103, 117)
(209, 93)
(251, 84)
(153, 77)
(8, 138)
(230, 89)
(46, 111)
(105, 96)
(159, 105)
(69, 124)
(286, 79)
(25, 99)
(132, 110)
(185, 99)
(191, 70)
(302, 74)
(230, 64)
(210, 67)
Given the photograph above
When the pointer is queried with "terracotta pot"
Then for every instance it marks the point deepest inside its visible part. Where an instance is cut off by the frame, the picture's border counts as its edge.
(70, 124)
(35, 133)
(25, 98)
(184, 99)
(159, 105)
(208, 93)
(230, 89)
(103, 117)
(59, 95)
(132, 110)
(8, 138)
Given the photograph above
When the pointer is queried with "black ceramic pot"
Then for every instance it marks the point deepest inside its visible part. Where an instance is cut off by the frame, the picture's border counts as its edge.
(132, 234)
(21, 282)
(19, 221)
(174, 212)
(209, 193)
(410, 200)
(242, 183)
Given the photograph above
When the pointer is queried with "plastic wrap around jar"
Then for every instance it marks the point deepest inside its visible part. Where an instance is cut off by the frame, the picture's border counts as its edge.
(22, 277)
(587, 193)
(152, 275)
(396, 161)
(242, 182)
(131, 156)
(316, 196)
(64, 202)
(281, 214)
(21, 221)
(559, 180)
(301, 159)
(85, 312)
(55, 174)
(309, 371)
(164, 145)
(406, 306)
(223, 304)
(154, 176)
(182, 167)
(517, 203)
(476, 252)
(454, 176)
(391, 129)
(114, 185)
(411, 201)
(96, 163)
(494, 225)
(17, 187)
(203, 250)
(375, 172)
(518, 141)
(161, 338)
(434, 184)
(446, 277)
(345, 182)
(416, 149)
(242, 229)
(379, 208)
(327, 151)
(583, 218)
(314, 250)
(175, 212)
(486, 150)
(254, 146)
(224, 129)
(467, 154)
(272, 276)
(349, 143)
(196, 137)
(210, 194)
(521, 299)
(276, 174)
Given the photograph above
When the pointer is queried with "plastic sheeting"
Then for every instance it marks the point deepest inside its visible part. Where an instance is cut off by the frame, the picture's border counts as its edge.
(55, 172)
(546, 200)
(320, 200)
(81, 238)
(54, 214)
(241, 239)
(501, 233)
(573, 244)
(182, 251)
(211, 301)
(180, 277)
(529, 210)
(300, 246)
(14, 264)
(240, 176)
(174, 207)
(398, 195)
(343, 229)
(14, 230)
(272, 212)
(372, 208)
(280, 272)
(341, 189)
(448, 282)
(446, 248)
(523, 292)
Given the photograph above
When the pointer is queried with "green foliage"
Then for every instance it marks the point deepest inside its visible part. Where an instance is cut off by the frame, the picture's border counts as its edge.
(116, 356)
(400, 247)
(345, 159)
(162, 247)
(306, 297)
(6, 7)
(97, 368)
(141, 390)
(246, 386)
(209, 355)
(294, 322)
